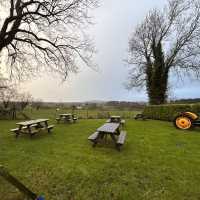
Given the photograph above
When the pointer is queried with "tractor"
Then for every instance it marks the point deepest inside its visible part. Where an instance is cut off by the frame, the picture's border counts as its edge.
(186, 120)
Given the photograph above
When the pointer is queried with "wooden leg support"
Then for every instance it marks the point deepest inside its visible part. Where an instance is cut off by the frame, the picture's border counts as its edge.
(12, 180)
(94, 144)
(17, 134)
(118, 146)
(100, 136)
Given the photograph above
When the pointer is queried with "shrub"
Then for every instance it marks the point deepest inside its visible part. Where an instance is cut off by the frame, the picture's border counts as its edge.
(91, 117)
(169, 111)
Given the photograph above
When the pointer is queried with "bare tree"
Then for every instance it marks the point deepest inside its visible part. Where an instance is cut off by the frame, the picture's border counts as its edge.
(167, 41)
(11, 100)
(45, 35)
(37, 104)
(7, 96)
(24, 99)
(3, 82)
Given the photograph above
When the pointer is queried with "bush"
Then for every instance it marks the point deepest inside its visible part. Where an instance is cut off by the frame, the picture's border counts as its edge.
(91, 117)
(169, 111)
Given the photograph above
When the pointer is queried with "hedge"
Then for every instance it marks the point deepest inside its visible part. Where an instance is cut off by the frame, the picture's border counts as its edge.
(169, 111)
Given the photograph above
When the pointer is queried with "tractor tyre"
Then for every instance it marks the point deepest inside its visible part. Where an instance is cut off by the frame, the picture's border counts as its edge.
(183, 122)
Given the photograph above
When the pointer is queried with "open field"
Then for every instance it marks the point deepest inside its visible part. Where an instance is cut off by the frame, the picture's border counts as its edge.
(156, 162)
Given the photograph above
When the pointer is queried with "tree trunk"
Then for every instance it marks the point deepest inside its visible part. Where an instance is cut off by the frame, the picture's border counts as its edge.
(157, 91)
(157, 77)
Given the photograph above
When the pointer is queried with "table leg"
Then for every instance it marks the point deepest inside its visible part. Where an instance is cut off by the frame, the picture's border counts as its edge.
(29, 131)
(39, 125)
(46, 126)
(65, 120)
(102, 136)
(114, 139)
(106, 141)
(18, 132)
(118, 131)
(59, 119)
(97, 140)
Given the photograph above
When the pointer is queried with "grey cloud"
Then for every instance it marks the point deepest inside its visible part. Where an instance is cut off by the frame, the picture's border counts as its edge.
(115, 20)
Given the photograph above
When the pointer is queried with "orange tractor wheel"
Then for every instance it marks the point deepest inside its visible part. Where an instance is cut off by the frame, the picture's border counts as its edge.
(183, 122)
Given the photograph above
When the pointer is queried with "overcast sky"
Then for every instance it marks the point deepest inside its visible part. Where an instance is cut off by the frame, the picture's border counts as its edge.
(114, 22)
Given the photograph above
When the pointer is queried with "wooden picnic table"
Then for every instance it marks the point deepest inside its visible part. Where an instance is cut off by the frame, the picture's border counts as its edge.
(66, 117)
(116, 119)
(32, 127)
(111, 129)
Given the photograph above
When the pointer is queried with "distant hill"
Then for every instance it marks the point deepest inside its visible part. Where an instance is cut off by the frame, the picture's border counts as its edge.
(96, 103)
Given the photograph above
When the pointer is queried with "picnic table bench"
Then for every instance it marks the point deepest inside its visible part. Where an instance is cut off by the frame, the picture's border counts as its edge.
(32, 127)
(116, 119)
(111, 129)
(140, 116)
(67, 118)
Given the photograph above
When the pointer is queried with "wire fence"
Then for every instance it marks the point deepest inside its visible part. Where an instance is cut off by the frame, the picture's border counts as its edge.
(81, 114)
(98, 114)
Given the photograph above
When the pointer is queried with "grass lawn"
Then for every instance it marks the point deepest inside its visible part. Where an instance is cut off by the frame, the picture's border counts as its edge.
(157, 162)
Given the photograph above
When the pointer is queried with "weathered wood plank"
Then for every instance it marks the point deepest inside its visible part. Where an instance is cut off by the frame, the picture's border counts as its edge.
(94, 136)
(109, 127)
(50, 127)
(15, 182)
(121, 138)
(14, 130)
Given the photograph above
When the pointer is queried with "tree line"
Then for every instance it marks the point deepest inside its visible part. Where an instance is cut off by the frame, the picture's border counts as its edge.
(13, 101)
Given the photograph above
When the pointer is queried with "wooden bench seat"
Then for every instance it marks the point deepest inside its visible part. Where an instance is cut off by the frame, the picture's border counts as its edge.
(50, 127)
(121, 139)
(140, 116)
(122, 122)
(58, 120)
(75, 119)
(33, 126)
(93, 137)
(15, 130)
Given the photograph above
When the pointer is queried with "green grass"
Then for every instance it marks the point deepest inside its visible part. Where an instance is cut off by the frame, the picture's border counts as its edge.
(157, 162)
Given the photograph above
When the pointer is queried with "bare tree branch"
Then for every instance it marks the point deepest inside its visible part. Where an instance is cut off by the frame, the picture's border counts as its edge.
(46, 35)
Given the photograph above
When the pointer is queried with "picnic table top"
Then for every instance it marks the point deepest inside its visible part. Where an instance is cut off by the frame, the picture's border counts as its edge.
(65, 114)
(115, 116)
(30, 122)
(109, 127)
